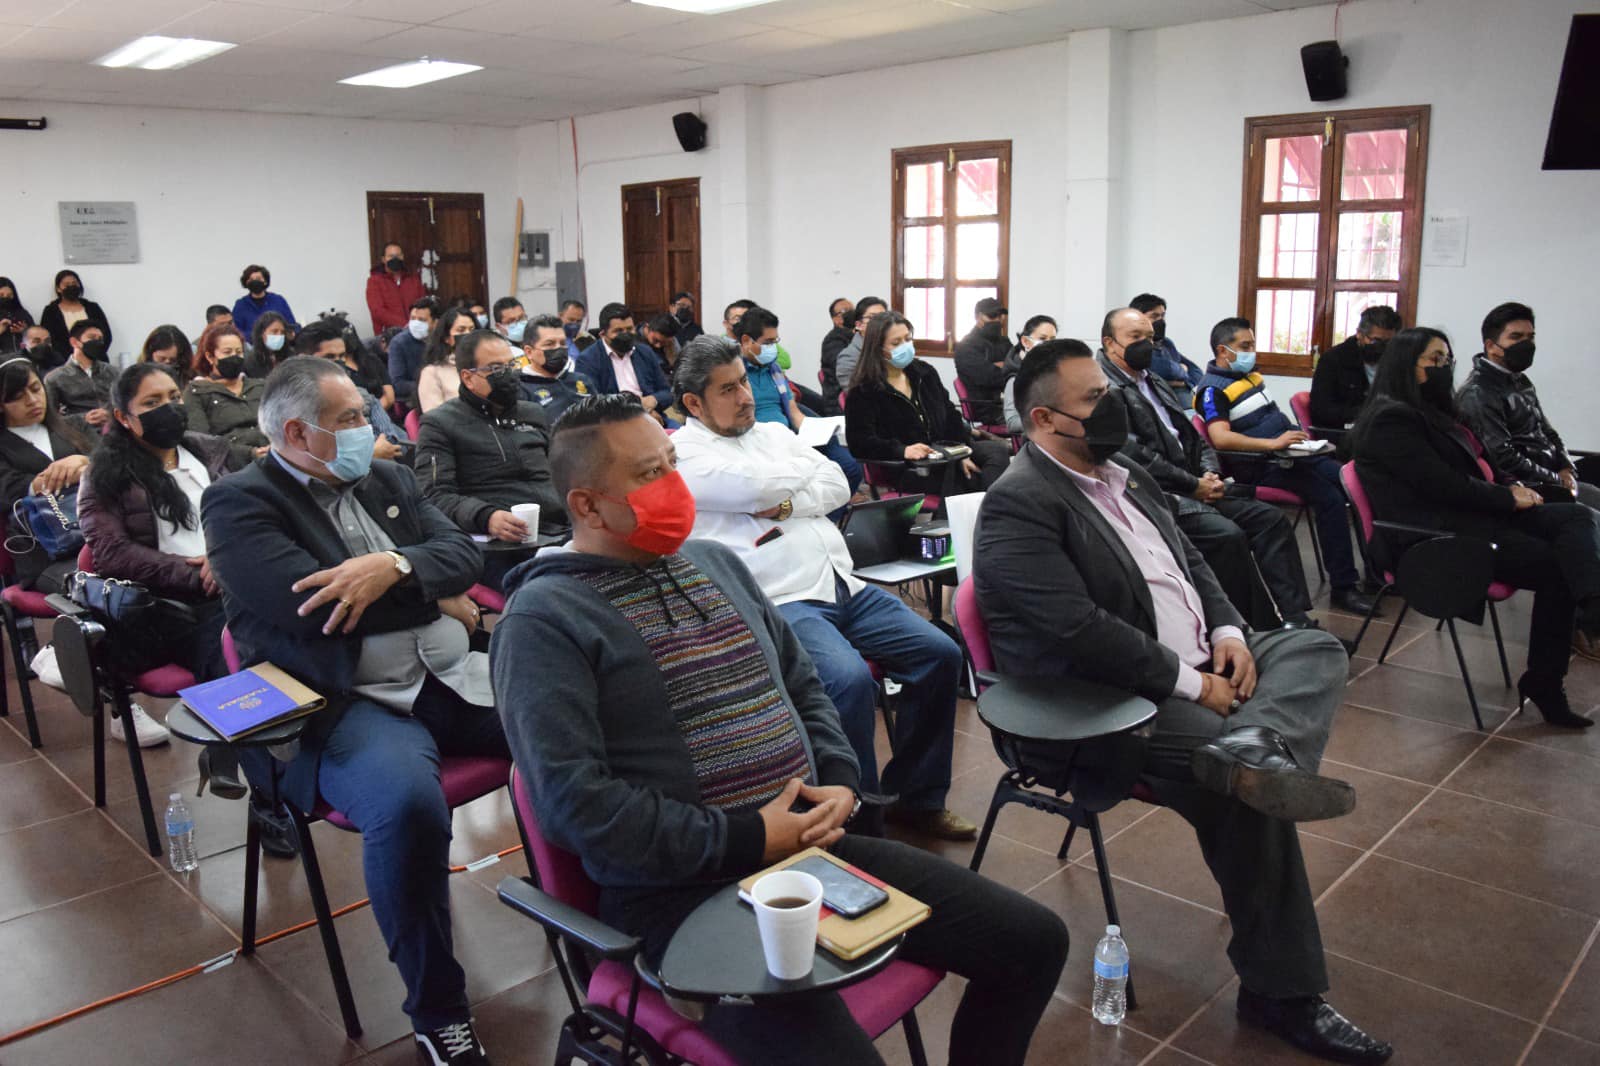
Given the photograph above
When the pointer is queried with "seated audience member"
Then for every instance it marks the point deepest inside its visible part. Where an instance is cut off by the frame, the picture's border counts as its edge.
(1419, 469)
(486, 450)
(271, 342)
(682, 308)
(218, 313)
(220, 400)
(70, 308)
(40, 451)
(622, 657)
(1240, 416)
(367, 368)
(438, 381)
(335, 569)
(898, 409)
(752, 480)
(1236, 534)
(661, 334)
(1344, 372)
(841, 377)
(256, 301)
(406, 349)
(573, 313)
(620, 362)
(548, 376)
(756, 336)
(1168, 364)
(38, 346)
(732, 313)
(1081, 572)
(14, 318)
(392, 288)
(166, 346)
(82, 385)
(475, 307)
(330, 339)
(981, 361)
(510, 320)
(840, 313)
(1035, 331)
(1499, 404)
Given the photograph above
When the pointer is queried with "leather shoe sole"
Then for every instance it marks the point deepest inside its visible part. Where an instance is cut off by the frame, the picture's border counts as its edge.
(1289, 793)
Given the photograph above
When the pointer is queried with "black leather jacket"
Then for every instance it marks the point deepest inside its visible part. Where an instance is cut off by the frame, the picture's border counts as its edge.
(1503, 410)
(1175, 462)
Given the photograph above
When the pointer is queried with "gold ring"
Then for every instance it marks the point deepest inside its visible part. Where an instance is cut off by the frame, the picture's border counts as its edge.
(346, 604)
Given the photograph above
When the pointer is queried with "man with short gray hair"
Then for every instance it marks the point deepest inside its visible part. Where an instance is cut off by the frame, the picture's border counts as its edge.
(334, 568)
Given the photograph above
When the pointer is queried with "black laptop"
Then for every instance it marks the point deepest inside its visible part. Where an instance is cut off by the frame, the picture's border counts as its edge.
(877, 531)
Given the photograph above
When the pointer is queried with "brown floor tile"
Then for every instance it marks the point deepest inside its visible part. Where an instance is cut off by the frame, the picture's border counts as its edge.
(31, 791)
(165, 767)
(1177, 949)
(1425, 1026)
(1440, 931)
(1533, 776)
(219, 824)
(63, 859)
(1583, 682)
(1346, 626)
(1556, 1049)
(482, 827)
(1550, 859)
(99, 945)
(1171, 1056)
(1432, 652)
(1436, 697)
(970, 795)
(520, 1025)
(284, 899)
(1380, 804)
(13, 737)
(1530, 728)
(1578, 1012)
(1398, 745)
(1008, 862)
(266, 1025)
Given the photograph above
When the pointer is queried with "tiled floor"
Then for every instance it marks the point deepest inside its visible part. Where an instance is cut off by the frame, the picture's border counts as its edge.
(1460, 902)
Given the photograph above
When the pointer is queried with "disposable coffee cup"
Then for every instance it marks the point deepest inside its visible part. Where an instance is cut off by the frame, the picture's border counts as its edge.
(529, 513)
(787, 904)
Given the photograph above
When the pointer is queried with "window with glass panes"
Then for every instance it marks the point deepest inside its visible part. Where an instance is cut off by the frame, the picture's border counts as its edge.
(1331, 225)
(952, 236)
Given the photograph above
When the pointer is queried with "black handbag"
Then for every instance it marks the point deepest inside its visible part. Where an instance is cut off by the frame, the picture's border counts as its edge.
(140, 625)
(51, 524)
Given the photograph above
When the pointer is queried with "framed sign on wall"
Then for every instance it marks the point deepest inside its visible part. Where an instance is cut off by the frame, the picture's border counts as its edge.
(99, 231)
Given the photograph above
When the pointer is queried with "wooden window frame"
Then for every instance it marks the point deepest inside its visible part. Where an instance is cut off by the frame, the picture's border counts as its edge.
(950, 155)
(1332, 127)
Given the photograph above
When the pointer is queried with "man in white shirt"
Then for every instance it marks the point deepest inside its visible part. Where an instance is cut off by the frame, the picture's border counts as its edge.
(766, 496)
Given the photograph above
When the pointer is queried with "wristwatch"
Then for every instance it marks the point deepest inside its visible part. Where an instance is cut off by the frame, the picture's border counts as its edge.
(785, 509)
(402, 565)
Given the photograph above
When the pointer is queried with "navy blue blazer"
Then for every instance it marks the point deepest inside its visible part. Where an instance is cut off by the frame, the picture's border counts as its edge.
(595, 361)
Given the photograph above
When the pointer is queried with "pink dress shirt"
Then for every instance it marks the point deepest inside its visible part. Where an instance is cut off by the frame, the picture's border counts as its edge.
(627, 377)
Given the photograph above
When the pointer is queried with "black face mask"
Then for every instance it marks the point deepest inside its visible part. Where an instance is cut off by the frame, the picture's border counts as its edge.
(256, 286)
(96, 350)
(72, 292)
(230, 367)
(505, 387)
(623, 343)
(993, 330)
(1519, 356)
(1105, 430)
(1438, 388)
(685, 315)
(555, 361)
(9, 303)
(1138, 355)
(164, 426)
(1160, 327)
(395, 263)
(1372, 351)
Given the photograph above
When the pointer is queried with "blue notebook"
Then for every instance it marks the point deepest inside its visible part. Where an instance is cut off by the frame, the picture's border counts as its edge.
(249, 701)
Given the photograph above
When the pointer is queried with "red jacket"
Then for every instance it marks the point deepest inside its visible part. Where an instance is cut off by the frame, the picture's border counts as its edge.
(390, 302)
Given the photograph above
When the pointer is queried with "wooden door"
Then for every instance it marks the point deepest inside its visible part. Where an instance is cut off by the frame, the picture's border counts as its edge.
(660, 243)
(442, 234)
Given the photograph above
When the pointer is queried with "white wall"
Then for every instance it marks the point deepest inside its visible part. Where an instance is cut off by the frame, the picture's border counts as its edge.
(218, 190)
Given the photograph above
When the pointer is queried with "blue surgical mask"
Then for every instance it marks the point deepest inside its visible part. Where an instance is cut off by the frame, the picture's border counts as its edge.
(353, 457)
(901, 357)
(273, 341)
(418, 329)
(515, 331)
(1243, 362)
(767, 355)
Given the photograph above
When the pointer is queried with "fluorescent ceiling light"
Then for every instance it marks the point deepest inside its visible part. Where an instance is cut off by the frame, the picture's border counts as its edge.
(405, 75)
(162, 53)
(703, 7)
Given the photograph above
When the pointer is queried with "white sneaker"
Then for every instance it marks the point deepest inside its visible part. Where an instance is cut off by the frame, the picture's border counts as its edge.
(148, 731)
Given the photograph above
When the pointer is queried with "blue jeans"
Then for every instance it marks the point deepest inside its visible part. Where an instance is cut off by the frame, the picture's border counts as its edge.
(382, 770)
(1316, 480)
(911, 650)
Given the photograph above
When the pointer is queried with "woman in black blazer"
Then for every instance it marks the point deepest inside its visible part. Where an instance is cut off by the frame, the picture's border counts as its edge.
(1419, 467)
(39, 450)
(896, 408)
(68, 307)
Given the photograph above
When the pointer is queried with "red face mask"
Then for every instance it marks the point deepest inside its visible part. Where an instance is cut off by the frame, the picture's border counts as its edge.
(664, 513)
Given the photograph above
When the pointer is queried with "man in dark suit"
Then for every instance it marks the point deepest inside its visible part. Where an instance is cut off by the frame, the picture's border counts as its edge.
(335, 569)
(1250, 546)
(1344, 373)
(1082, 572)
(620, 362)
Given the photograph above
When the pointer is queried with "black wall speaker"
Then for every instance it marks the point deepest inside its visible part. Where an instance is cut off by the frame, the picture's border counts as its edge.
(690, 130)
(1574, 141)
(1325, 67)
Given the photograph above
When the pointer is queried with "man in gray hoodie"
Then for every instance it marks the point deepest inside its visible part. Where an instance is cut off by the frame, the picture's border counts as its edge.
(671, 728)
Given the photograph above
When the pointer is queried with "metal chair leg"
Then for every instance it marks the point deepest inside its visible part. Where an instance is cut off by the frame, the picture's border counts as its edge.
(1066, 841)
(330, 937)
(1355, 645)
(995, 803)
(1466, 679)
(1499, 644)
(20, 659)
(1316, 547)
(136, 762)
(252, 877)
(919, 1057)
(1404, 609)
(98, 726)
(1107, 892)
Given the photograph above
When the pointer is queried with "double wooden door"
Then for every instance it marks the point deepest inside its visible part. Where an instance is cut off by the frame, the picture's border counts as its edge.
(442, 234)
(660, 244)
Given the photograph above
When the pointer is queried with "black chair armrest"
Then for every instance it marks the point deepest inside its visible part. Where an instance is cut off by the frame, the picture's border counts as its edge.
(1410, 530)
(569, 921)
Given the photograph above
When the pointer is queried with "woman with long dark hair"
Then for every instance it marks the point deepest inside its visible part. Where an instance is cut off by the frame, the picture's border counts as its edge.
(220, 400)
(439, 381)
(271, 342)
(1419, 467)
(40, 451)
(14, 318)
(68, 309)
(167, 346)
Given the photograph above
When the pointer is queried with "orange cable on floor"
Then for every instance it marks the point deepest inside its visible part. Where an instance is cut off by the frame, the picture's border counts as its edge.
(219, 961)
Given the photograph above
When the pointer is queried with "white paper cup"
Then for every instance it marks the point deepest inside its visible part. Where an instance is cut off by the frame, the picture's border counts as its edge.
(529, 513)
(788, 934)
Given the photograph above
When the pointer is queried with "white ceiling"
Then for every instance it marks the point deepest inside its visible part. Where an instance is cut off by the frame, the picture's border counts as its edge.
(542, 59)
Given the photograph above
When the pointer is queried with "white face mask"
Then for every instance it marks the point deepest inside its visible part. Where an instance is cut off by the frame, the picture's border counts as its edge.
(418, 329)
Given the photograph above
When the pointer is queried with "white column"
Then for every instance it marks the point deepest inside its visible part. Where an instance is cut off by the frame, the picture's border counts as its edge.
(1093, 181)
(740, 152)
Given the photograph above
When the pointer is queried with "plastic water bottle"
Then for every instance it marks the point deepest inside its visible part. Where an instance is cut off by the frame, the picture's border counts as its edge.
(1110, 977)
(180, 835)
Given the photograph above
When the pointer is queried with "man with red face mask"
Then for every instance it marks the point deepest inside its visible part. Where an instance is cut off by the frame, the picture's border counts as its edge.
(676, 737)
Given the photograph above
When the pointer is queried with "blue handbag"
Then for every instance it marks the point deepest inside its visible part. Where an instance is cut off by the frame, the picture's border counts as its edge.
(50, 522)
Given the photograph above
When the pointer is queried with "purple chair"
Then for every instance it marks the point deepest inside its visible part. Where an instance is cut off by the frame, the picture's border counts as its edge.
(998, 429)
(619, 1004)
(463, 779)
(1443, 576)
(1292, 501)
(19, 607)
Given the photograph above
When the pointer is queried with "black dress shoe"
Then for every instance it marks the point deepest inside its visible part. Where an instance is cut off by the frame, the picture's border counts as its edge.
(1254, 766)
(1313, 1026)
(1551, 700)
(1351, 599)
(277, 832)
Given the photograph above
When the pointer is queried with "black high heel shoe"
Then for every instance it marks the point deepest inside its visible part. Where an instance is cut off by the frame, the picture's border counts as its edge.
(1552, 704)
(219, 767)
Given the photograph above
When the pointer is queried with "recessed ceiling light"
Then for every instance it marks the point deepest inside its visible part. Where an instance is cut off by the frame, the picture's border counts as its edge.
(162, 53)
(703, 7)
(405, 75)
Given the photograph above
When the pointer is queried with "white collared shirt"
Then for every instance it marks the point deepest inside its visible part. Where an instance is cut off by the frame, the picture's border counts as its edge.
(192, 477)
(732, 478)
